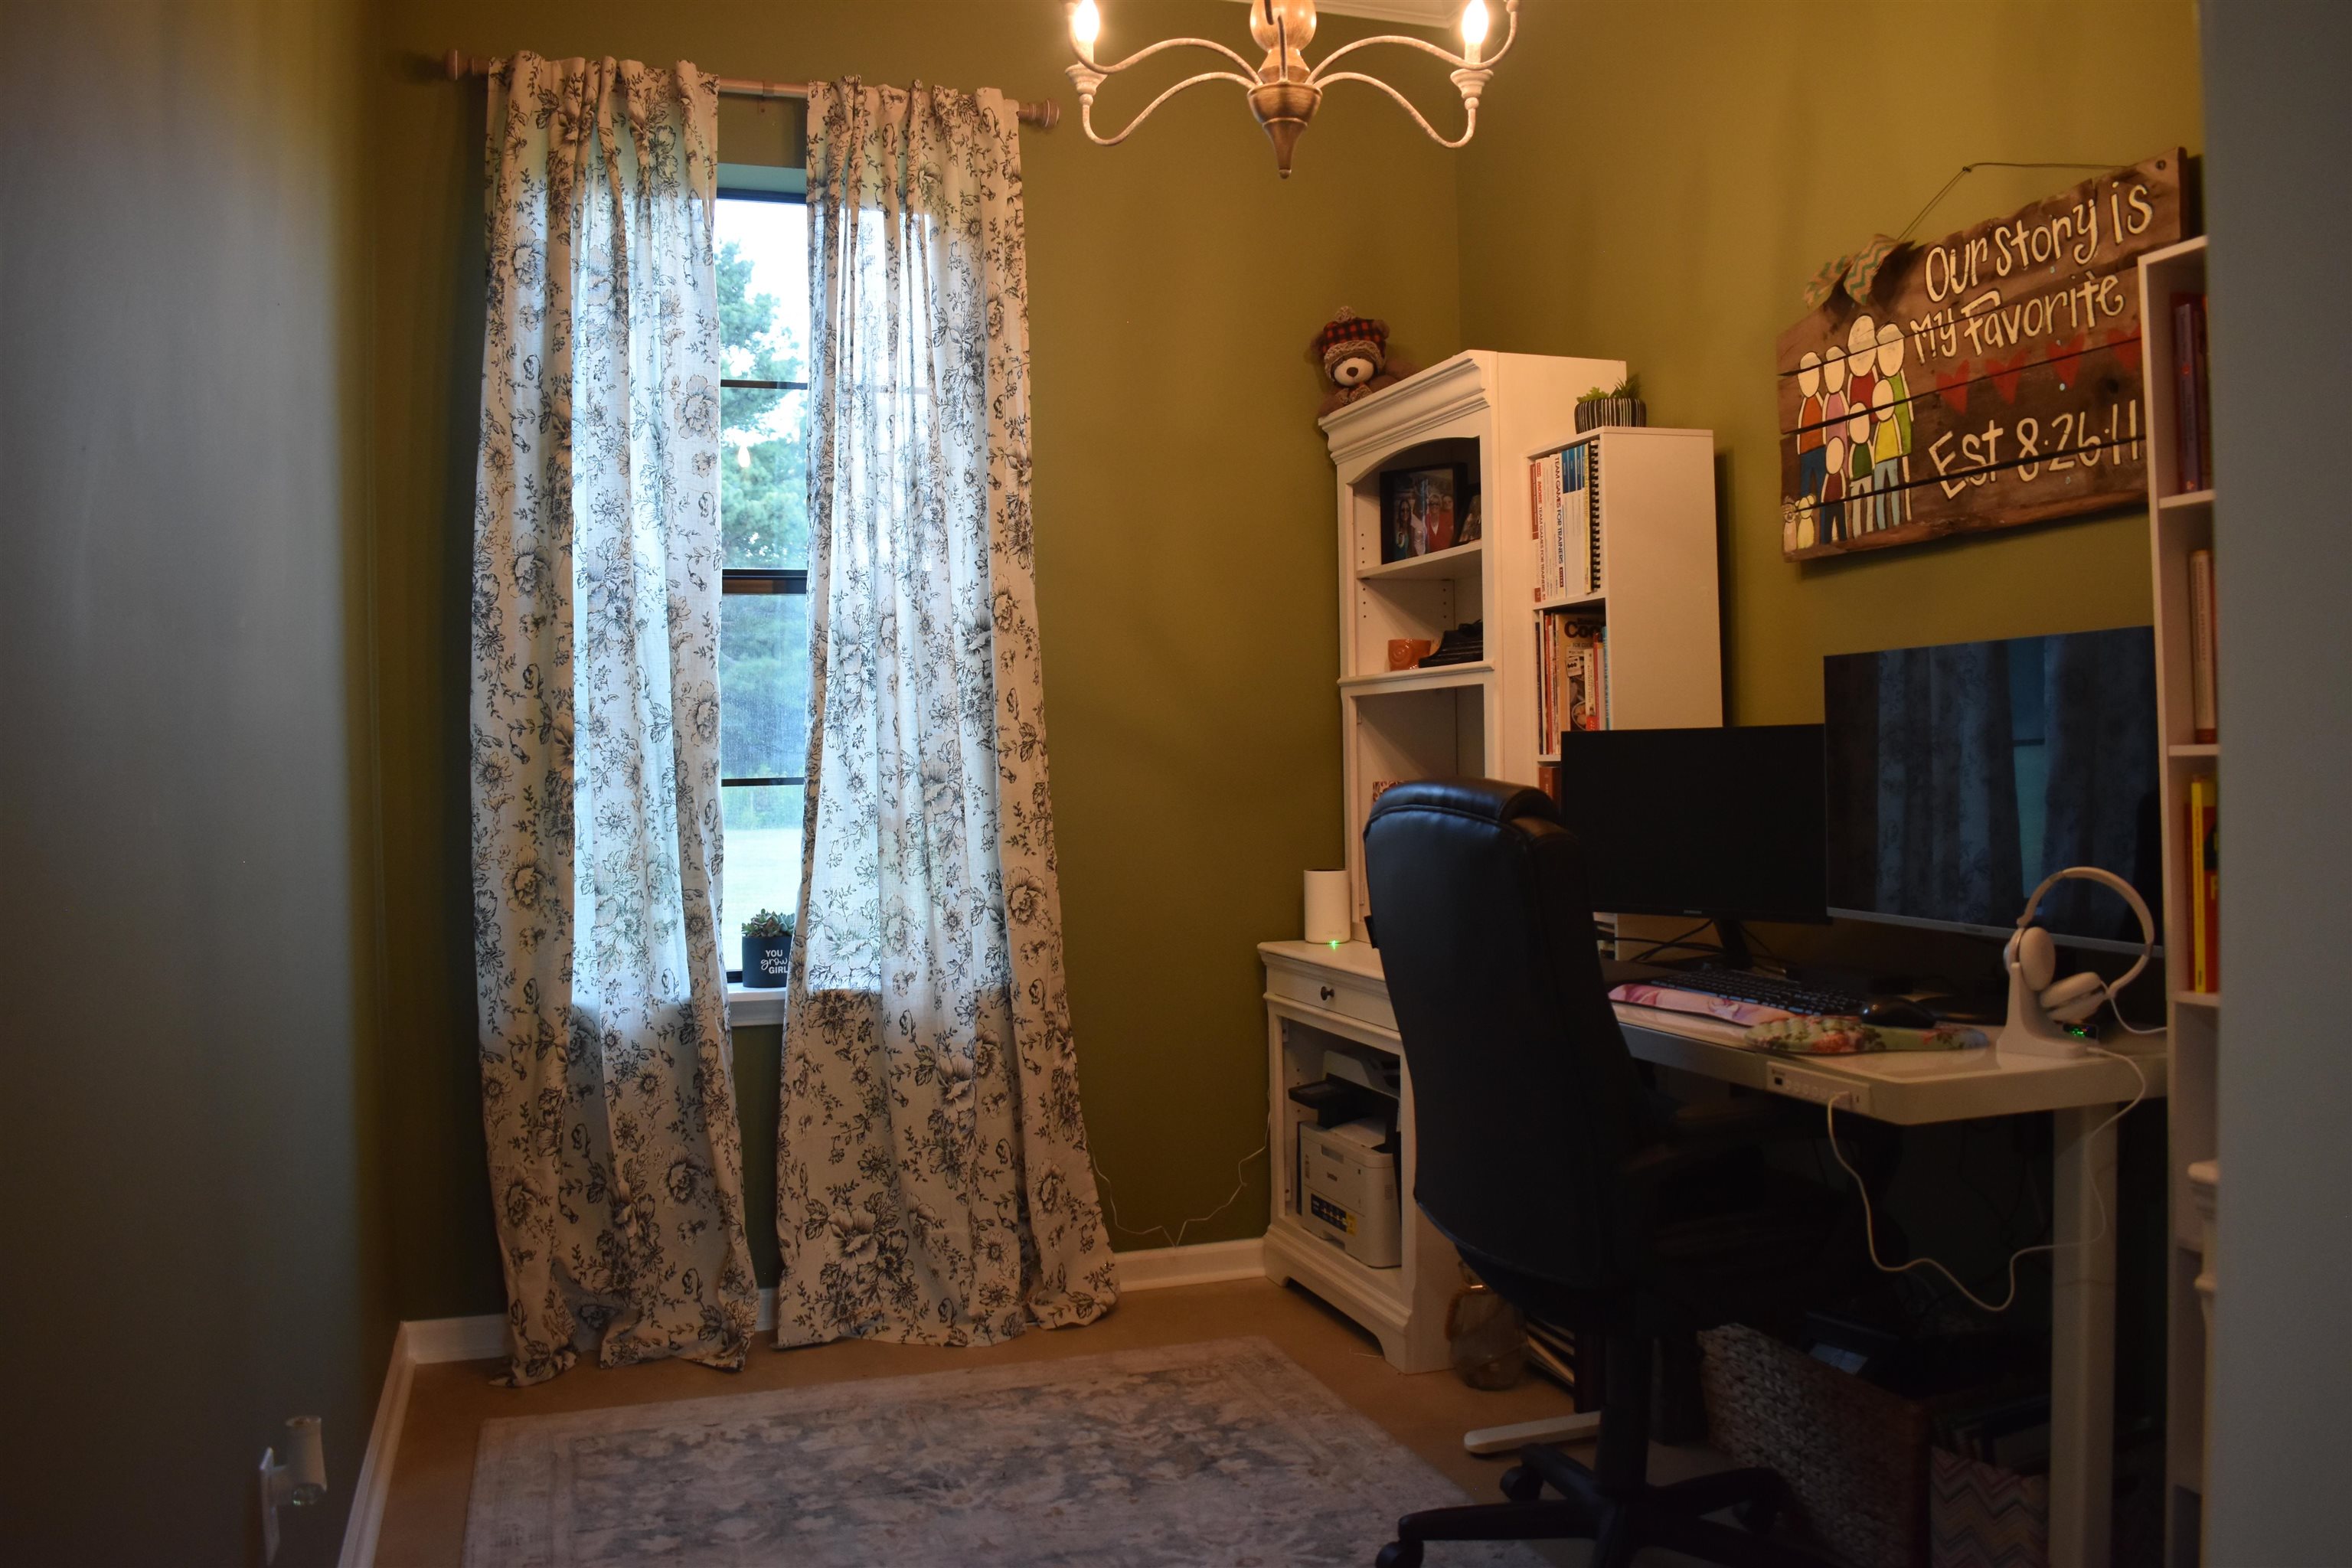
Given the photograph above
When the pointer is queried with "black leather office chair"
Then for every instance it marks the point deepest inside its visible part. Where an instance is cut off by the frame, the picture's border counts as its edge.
(1570, 1188)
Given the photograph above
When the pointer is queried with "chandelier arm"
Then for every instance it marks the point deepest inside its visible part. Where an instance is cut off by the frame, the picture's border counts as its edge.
(1145, 54)
(1086, 108)
(1469, 128)
(1316, 77)
(1486, 62)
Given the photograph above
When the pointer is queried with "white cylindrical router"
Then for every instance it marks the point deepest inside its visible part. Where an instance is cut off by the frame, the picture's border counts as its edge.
(1326, 906)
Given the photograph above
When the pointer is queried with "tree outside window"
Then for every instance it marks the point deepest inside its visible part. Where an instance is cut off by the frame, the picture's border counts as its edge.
(764, 662)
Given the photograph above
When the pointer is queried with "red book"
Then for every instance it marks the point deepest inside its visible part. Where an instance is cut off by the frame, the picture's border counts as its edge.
(2191, 421)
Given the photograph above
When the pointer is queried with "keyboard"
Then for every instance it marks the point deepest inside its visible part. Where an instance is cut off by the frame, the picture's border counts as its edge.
(1770, 990)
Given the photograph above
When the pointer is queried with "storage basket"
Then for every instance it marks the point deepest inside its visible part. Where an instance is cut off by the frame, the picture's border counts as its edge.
(1854, 1455)
(1982, 1516)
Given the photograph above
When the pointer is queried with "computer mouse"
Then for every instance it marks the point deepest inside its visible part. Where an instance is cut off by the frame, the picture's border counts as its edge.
(1898, 1013)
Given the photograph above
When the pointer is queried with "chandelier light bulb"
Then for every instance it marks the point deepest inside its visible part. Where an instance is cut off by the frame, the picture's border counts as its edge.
(1474, 23)
(1085, 24)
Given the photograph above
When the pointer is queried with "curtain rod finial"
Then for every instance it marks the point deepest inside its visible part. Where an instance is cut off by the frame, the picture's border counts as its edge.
(454, 64)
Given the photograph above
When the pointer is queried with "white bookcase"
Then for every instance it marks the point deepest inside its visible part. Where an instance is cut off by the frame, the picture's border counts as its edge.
(1495, 413)
(1653, 505)
(2180, 521)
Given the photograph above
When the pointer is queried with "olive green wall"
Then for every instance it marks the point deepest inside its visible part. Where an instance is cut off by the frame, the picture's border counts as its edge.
(1184, 550)
(1652, 181)
(186, 842)
(1683, 170)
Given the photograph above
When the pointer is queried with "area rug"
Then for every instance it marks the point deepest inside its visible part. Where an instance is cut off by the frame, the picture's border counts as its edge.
(1224, 1453)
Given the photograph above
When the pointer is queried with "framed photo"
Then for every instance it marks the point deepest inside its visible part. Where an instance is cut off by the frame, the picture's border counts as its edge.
(1426, 508)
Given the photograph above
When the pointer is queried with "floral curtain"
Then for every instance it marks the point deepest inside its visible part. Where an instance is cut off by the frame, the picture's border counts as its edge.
(933, 1181)
(615, 1156)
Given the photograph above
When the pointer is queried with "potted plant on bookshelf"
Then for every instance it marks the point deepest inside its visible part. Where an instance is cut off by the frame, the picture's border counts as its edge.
(1621, 404)
(767, 950)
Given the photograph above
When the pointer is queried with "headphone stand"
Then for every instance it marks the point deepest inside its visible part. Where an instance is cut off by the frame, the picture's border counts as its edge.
(2030, 1031)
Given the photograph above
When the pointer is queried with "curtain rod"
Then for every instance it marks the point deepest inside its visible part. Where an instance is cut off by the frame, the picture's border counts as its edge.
(1044, 116)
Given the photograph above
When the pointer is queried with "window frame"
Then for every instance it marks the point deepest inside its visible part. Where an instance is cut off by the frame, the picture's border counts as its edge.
(756, 579)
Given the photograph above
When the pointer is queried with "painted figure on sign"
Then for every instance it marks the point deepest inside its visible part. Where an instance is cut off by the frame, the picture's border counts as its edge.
(1862, 365)
(1833, 518)
(1890, 439)
(1813, 461)
(1834, 413)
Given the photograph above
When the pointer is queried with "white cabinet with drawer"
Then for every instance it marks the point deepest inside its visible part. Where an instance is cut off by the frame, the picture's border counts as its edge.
(1323, 1000)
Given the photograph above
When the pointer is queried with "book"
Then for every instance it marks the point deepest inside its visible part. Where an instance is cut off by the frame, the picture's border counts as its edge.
(1571, 687)
(2203, 682)
(1570, 677)
(1601, 677)
(2192, 419)
(1544, 740)
(1590, 564)
(1570, 468)
(1536, 519)
(2205, 884)
(1546, 479)
(1571, 571)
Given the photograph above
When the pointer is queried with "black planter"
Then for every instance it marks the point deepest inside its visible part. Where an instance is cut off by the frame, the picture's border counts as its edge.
(1604, 412)
(767, 961)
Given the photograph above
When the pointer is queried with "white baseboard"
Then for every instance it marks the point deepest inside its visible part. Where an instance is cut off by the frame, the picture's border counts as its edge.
(434, 1339)
(429, 1340)
(1202, 1263)
(373, 1484)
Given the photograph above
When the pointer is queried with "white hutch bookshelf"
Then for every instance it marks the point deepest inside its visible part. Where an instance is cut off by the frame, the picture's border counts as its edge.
(1496, 413)
(2180, 521)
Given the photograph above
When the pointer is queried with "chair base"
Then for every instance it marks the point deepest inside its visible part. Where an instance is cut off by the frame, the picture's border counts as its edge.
(1619, 1522)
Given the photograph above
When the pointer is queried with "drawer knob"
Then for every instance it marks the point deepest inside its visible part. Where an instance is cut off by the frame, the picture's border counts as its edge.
(1328, 994)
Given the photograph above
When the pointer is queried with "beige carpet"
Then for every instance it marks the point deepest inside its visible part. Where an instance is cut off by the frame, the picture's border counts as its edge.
(1224, 1452)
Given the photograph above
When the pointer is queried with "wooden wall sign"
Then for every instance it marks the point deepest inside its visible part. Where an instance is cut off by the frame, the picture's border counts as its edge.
(1991, 378)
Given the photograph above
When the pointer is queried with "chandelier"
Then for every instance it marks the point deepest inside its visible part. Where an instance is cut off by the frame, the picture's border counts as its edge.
(1283, 91)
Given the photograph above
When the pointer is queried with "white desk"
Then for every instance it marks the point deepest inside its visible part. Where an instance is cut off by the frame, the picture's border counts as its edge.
(1912, 1088)
(1343, 991)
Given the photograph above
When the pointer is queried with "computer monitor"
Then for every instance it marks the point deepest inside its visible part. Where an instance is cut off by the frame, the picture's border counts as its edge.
(1960, 777)
(1721, 824)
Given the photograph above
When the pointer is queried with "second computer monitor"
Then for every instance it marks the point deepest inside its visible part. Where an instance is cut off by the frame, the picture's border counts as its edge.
(1719, 824)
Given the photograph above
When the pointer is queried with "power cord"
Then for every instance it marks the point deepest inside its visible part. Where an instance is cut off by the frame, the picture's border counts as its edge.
(1241, 1181)
(2109, 991)
(1869, 1222)
(1682, 941)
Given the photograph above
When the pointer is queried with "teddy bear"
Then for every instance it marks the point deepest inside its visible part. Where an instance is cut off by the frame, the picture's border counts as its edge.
(1353, 351)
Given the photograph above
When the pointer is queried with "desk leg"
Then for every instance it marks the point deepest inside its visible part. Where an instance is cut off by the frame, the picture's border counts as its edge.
(2082, 1338)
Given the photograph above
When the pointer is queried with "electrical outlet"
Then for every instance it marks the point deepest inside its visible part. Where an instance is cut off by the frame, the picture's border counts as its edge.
(265, 1491)
(1798, 1084)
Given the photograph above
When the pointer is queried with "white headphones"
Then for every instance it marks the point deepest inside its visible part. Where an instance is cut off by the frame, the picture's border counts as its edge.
(2037, 1001)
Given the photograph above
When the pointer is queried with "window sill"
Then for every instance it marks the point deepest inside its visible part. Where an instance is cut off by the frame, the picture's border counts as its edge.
(748, 1007)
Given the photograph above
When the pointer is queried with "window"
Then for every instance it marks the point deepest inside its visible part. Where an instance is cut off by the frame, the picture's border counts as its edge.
(764, 662)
